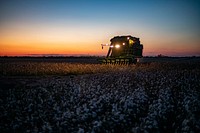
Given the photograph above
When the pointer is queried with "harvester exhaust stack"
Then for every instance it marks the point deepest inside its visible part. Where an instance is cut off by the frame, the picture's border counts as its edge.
(123, 50)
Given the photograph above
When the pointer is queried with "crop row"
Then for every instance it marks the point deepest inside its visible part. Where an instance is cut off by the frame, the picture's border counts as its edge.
(47, 68)
(155, 97)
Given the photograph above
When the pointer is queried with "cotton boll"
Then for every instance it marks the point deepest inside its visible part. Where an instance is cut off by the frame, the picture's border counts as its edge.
(80, 130)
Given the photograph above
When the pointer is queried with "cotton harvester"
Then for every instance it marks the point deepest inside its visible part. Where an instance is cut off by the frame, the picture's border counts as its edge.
(123, 50)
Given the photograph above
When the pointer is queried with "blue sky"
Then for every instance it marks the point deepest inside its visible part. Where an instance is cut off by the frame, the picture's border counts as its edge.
(159, 23)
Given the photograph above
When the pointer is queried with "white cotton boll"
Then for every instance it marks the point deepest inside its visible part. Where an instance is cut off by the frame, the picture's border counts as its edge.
(43, 89)
(15, 126)
(159, 100)
(116, 113)
(121, 117)
(48, 126)
(77, 111)
(30, 107)
(83, 117)
(187, 107)
(80, 130)
(94, 114)
(98, 87)
(79, 89)
(150, 127)
(86, 110)
(97, 123)
(136, 130)
(155, 113)
(71, 99)
(125, 105)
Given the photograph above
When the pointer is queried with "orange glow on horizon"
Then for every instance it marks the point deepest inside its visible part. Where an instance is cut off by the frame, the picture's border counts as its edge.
(83, 49)
(46, 39)
(40, 49)
(59, 42)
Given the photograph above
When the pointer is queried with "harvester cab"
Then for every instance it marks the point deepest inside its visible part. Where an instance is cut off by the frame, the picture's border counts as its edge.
(123, 50)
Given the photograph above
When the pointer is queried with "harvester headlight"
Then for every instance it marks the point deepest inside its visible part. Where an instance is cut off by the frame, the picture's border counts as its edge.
(123, 43)
(117, 46)
(111, 46)
(128, 38)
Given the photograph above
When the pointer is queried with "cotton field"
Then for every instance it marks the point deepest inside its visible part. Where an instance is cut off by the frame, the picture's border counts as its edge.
(53, 97)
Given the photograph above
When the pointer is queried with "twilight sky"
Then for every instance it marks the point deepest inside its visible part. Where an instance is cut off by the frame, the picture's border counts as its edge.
(78, 27)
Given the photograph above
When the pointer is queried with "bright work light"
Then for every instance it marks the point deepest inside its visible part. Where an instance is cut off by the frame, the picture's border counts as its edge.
(117, 46)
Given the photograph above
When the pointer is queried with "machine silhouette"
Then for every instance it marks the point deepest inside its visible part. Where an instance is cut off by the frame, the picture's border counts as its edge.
(123, 50)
